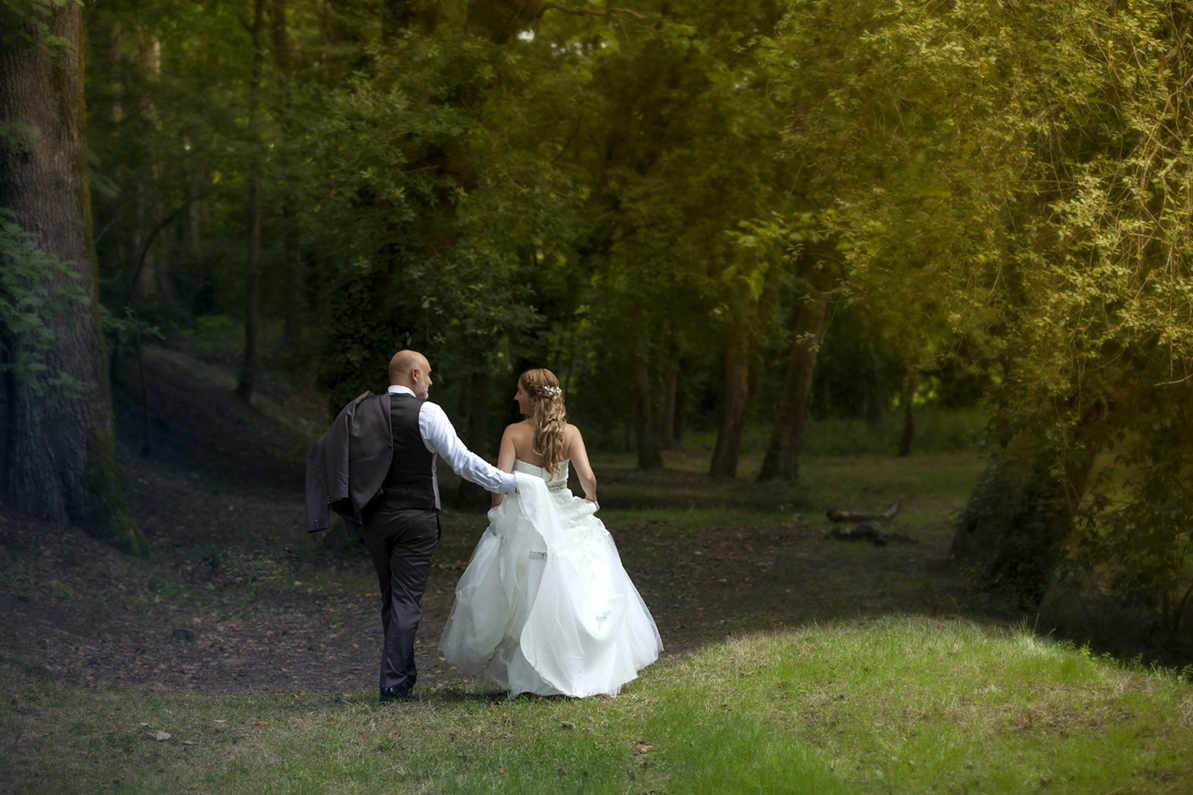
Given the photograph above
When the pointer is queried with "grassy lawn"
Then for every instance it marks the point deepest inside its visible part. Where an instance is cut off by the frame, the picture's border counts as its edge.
(893, 704)
(842, 695)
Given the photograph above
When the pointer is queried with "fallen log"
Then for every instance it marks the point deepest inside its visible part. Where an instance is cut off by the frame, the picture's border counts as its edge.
(869, 531)
(852, 516)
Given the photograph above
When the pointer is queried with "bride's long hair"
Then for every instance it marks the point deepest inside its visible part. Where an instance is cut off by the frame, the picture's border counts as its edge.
(549, 416)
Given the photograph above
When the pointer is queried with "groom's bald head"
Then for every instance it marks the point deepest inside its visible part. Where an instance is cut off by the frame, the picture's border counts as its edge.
(411, 369)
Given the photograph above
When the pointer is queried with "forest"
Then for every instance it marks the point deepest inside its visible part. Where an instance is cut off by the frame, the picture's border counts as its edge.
(705, 217)
(924, 266)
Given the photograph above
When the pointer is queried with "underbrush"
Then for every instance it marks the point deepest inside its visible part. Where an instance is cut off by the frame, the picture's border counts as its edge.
(936, 431)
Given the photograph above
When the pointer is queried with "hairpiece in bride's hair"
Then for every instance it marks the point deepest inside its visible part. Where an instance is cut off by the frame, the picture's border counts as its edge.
(552, 392)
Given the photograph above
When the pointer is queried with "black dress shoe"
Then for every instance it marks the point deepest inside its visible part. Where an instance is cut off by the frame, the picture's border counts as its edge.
(389, 694)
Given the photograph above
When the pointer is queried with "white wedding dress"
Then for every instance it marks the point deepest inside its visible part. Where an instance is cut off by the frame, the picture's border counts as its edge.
(545, 606)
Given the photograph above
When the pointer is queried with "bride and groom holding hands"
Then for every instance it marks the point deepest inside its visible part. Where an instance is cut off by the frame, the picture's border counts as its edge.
(545, 605)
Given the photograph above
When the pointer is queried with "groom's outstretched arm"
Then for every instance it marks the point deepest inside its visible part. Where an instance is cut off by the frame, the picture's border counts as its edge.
(505, 457)
(440, 437)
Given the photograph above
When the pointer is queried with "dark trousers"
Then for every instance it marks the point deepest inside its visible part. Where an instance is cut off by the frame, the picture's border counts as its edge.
(401, 542)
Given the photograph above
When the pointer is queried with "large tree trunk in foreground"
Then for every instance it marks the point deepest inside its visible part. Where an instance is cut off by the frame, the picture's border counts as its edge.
(61, 453)
(782, 454)
(736, 399)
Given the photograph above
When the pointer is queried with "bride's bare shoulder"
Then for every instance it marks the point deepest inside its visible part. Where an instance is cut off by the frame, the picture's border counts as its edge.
(570, 434)
(520, 430)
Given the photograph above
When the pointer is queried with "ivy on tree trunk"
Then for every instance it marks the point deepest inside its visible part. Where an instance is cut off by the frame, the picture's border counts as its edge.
(44, 184)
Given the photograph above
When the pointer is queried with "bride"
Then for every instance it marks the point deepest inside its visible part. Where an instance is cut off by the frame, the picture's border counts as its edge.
(545, 606)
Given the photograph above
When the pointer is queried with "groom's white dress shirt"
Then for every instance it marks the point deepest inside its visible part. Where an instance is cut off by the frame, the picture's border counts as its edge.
(439, 436)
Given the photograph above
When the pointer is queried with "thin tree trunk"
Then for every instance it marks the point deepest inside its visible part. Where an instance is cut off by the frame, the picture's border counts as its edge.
(153, 280)
(44, 182)
(908, 416)
(145, 419)
(782, 454)
(204, 279)
(292, 323)
(248, 371)
(478, 412)
(116, 55)
(477, 435)
(736, 400)
(649, 456)
(667, 415)
(874, 392)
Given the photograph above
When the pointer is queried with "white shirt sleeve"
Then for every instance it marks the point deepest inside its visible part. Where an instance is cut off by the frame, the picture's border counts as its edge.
(440, 437)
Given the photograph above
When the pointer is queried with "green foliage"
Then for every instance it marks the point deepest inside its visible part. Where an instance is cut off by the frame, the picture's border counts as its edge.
(127, 330)
(1025, 166)
(994, 194)
(27, 23)
(27, 305)
(415, 230)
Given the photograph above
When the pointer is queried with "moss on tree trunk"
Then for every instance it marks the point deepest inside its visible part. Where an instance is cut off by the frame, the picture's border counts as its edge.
(44, 182)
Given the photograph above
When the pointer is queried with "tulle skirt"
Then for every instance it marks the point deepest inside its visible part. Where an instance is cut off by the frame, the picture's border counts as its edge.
(545, 605)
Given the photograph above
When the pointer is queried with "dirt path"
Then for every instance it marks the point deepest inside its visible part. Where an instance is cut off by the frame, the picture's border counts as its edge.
(219, 497)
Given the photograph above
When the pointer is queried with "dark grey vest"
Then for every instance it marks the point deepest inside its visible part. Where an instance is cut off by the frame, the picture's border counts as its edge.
(411, 482)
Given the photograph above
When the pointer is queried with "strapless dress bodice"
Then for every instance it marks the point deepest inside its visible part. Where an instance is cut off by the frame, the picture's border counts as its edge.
(556, 482)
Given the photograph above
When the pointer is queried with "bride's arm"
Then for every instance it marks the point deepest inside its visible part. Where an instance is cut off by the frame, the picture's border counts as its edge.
(505, 458)
(583, 469)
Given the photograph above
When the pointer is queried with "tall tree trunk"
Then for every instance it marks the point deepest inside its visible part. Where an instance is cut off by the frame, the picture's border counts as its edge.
(666, 423)
(908, 415)
(116, 55)
(292, 323)
(248, 371)
(44, 182)
(203, 297)
(782, 454)
(649, 456)
(873, 388)
(477, 434)
(152, 278)
(737, 375)
(1021, 523)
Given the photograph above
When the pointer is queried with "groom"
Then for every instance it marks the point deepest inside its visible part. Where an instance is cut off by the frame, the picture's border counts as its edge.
(376, 467)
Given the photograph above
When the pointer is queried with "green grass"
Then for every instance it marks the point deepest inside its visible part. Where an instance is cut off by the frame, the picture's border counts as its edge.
(895, 704)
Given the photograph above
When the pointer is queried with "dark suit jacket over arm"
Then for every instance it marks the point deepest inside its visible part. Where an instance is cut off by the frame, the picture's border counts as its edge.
(346, 467)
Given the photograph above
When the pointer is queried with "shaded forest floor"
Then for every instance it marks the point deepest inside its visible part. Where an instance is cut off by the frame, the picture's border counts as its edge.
(238, 598)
